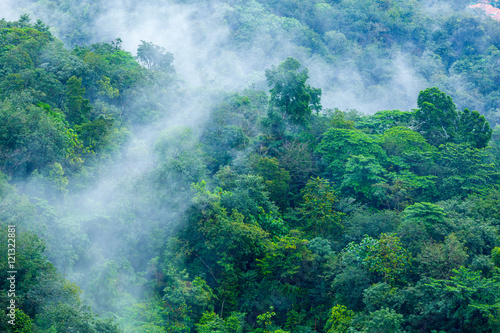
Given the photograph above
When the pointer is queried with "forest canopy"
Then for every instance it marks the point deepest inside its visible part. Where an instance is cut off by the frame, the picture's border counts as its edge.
(143, 204)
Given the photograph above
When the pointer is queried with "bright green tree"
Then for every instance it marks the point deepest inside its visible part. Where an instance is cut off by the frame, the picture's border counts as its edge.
(495, 256)
(398, 140)
(361, 174)
(211, 322)
(339, 144)
(339, 320)
(285, 258)
(385, 256)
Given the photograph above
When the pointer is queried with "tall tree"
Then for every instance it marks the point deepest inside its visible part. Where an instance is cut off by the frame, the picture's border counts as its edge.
(290, 94)
(436, 117)
(473, 129)
(154, 56)
(78, 107)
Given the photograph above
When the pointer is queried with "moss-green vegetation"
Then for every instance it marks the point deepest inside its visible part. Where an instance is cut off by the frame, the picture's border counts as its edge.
(275, 214)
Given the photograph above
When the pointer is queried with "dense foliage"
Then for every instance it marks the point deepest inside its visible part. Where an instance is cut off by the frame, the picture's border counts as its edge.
(270, 214)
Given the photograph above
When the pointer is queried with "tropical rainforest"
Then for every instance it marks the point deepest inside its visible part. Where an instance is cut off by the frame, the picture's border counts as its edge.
(277, 166)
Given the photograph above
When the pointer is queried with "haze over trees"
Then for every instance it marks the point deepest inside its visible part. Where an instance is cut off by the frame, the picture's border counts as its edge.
(144, 204)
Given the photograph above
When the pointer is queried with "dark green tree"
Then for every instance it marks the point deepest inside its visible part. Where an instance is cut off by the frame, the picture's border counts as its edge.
(436, 118)
(317, 210)
(290, 94)
(468, 301)
(473, 129)
(78, 108)
(438, 260)
(30, 136)
(276, 180)
(464, 170)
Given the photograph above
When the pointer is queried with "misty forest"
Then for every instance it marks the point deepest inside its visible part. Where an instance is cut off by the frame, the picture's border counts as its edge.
(250, 166)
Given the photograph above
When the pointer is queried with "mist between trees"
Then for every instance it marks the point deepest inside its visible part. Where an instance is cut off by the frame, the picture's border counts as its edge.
(250, 166)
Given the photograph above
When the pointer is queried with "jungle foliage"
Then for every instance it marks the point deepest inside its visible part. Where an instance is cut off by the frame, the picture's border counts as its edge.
(275, 214)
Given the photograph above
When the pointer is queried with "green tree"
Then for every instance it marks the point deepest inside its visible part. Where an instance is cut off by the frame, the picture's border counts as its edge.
(96, 134)
(404, 187)
(464, 170)
(350, 275)
(383, 321)
(106, 89)
(317, 212)
(361, 174)
(382, 121)
(385, 256)
(398, 140)
(275, 178)
(430, 216)
(146, 316)
(154, 56)
(468, 301)
(438, 260)
(78, 108)
(289, 92)
(339, 320)
(286, 258)
(211, 322)
(246, 193)
(30, 137)
(473, 129)
(185, 300)
(337, 119)
(388, 258)
(297, 158)
(339, 144)
(23, 323)
(436, 118)
(266, 319)
(225, 245)
(495, 256)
